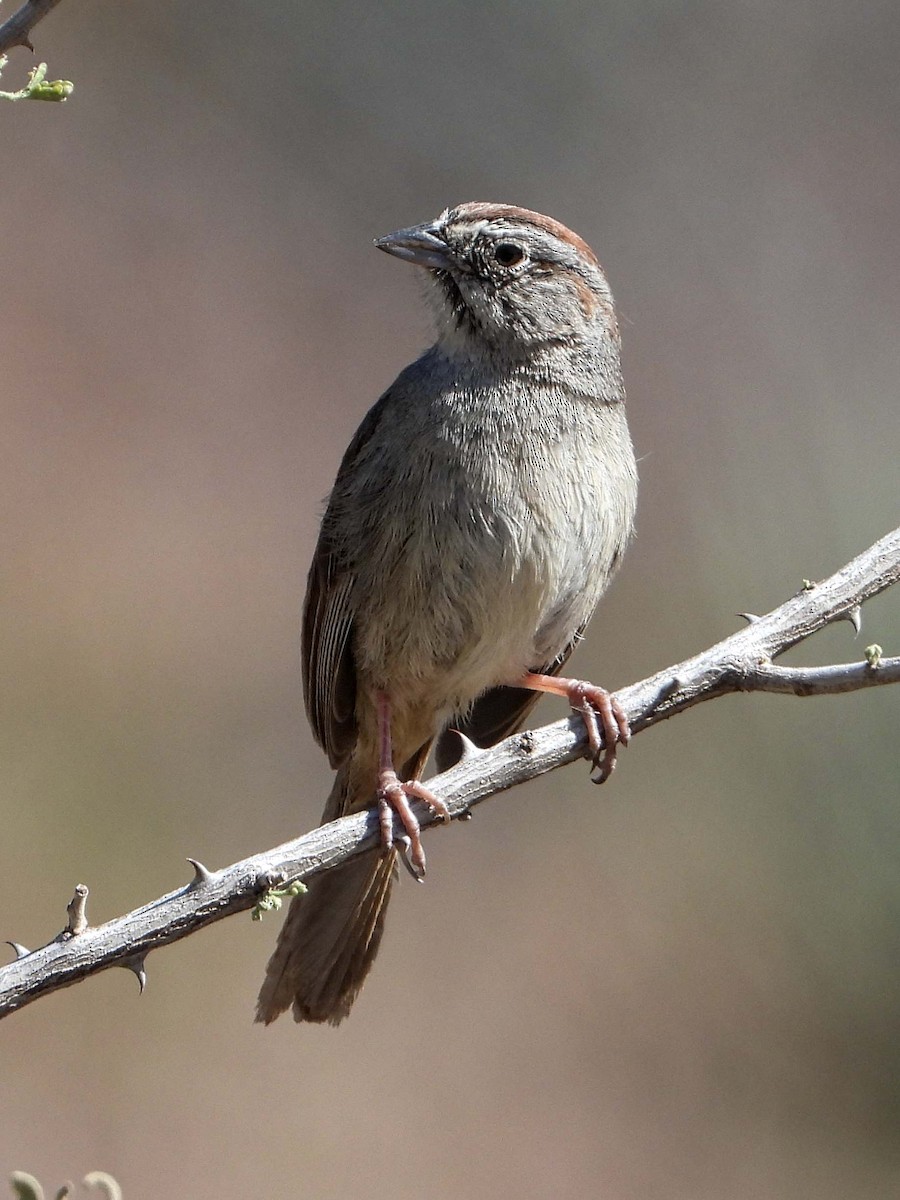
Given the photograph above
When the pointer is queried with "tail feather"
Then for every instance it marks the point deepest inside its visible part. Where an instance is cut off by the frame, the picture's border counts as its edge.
(328, 942)
(332, 932)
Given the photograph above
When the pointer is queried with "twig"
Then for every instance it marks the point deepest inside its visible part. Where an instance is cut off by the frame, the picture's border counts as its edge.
(740, 663)
(76, 910)
(15, 31)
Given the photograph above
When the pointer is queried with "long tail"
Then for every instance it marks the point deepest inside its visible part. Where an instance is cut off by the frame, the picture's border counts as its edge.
(330, 936)
(328, 943)
(332, 932)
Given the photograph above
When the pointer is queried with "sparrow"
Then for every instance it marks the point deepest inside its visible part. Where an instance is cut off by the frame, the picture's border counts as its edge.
(477, 518)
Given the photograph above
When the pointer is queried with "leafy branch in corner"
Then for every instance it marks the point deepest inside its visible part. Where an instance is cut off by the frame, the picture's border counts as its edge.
(26, 1187)
(15, 32)
(743, 662)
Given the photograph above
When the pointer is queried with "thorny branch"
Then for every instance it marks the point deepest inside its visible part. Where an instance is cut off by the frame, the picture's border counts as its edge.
(742, 662)
(15, 31)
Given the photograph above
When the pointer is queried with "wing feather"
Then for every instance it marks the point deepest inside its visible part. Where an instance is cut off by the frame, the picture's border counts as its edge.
(329, 670)
(329, 678)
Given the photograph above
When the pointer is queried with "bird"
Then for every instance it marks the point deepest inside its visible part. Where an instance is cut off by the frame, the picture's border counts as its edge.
(477, 517)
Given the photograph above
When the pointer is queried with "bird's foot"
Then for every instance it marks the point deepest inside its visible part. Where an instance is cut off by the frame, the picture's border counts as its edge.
(394, 797)
(601, 712)
(605, 719)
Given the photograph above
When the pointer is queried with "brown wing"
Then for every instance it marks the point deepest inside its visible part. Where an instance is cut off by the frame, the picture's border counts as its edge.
(329, 672)
(495, 715)
(329, 677)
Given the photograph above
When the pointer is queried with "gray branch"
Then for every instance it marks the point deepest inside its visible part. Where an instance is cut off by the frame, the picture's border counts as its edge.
(742, 662)
(15, 31)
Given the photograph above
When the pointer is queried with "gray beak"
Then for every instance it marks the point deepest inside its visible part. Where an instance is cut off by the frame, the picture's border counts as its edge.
(419, 245)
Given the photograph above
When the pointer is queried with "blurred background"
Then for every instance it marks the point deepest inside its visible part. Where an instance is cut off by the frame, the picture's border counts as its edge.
(684, 985)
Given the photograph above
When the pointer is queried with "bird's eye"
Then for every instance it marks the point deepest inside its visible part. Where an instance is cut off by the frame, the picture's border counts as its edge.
(508, 254)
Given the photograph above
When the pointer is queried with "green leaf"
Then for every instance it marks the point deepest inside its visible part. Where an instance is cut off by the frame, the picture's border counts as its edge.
(38, 88)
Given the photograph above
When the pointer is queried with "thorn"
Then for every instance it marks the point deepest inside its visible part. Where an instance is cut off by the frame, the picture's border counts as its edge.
(403, 845)
(469, 749)
(854, 616)
(136, 966)
(19, 950)
(202, 874)
(750, 618)
(27, 44)
(77, 910)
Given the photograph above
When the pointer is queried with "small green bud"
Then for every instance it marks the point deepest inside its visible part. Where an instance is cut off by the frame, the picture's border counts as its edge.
(873, 654)
(273, 899)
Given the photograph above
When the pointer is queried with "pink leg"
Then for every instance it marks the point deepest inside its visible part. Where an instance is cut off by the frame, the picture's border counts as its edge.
(600, 710)
(394, 796)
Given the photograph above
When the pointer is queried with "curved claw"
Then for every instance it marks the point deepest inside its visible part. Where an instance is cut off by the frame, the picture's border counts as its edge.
(403, 845)
(599, 708)
(394, 797)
